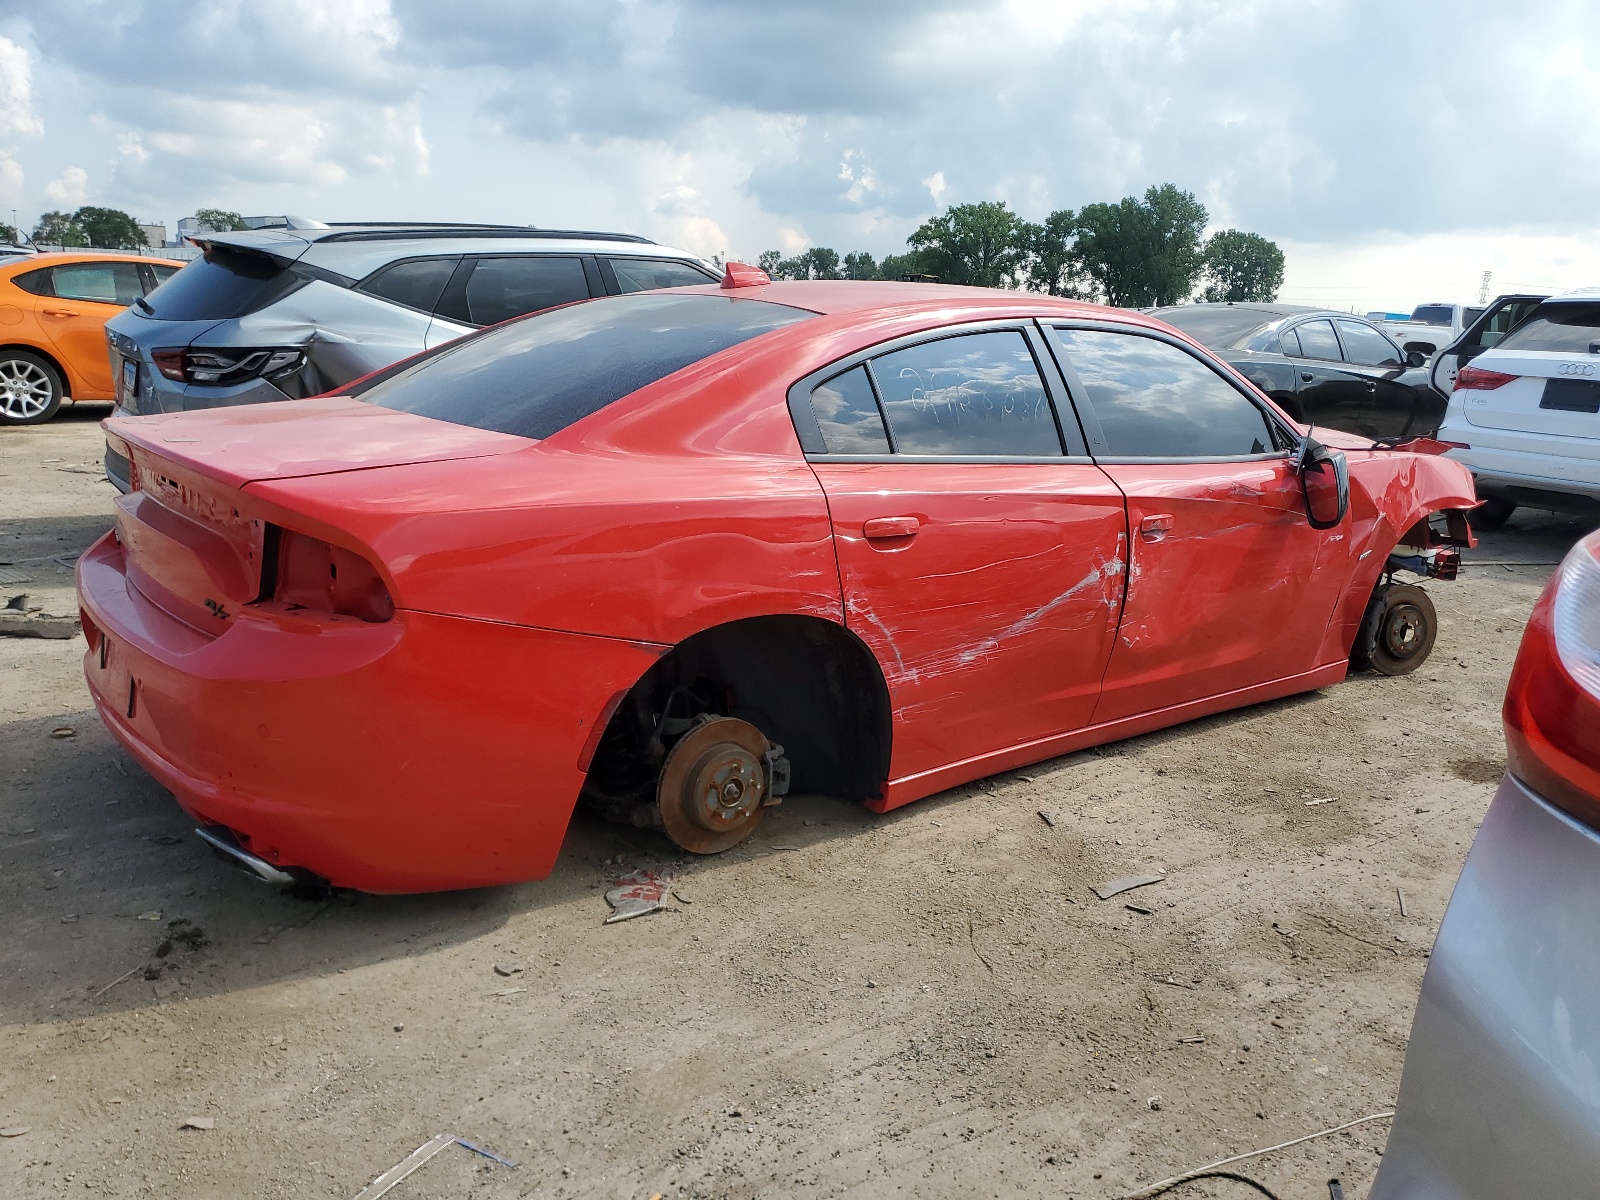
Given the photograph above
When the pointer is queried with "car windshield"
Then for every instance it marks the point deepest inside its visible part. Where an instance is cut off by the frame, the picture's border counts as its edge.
(536, 376)
(1217, 326)
(1569, 328)
(225, 283)
(1433, 314)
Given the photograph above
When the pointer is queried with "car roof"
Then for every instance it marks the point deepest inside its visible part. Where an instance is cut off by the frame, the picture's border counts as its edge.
(1587, 295)
(1272, 309)
(832, 296)
(33, 262)
(356, 251)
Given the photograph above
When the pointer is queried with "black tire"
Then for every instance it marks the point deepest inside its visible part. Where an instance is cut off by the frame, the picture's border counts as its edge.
(31, 389)
(1492, 513)
(1397, 632)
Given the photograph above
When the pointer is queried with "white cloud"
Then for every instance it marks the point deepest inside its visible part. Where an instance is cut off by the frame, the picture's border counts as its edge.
(70, 189)
(936, 187)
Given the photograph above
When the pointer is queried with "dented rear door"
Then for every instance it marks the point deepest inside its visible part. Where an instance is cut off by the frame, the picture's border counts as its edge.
(980, 562)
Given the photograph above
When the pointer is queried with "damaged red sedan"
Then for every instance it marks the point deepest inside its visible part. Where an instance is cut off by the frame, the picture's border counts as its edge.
(676, 553)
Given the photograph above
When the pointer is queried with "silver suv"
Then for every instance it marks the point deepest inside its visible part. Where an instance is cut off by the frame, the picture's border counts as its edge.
(278, 314)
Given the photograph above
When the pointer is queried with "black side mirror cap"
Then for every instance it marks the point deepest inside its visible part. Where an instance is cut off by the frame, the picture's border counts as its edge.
(1415, 358)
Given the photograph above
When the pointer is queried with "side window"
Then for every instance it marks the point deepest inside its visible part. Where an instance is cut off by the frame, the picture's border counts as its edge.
(1316, 340)
(848, 415)
(1366, 347)
(976, 393)
(502, 288)
(1154, 400)
(415, 284)
(103, 283)
(163, 272)
(641, 274)
(1503, 321)
(34, 282)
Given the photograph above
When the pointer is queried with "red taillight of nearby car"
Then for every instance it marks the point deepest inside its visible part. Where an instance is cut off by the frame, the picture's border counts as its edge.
(315, 575)
(1478, 379)
(1552, 709)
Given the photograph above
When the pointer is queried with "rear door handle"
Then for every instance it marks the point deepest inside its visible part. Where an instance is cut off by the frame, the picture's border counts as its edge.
(890, 527)
(1156, 527)
(59, 312)
(1306, 376)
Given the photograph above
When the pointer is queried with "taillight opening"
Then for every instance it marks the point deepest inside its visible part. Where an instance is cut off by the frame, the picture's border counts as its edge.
(303, 572)
(1481, 379)
(220, 368)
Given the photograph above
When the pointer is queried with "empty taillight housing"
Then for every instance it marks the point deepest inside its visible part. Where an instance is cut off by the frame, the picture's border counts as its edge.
(1481, 379)
(312, 574)
(1552, 709)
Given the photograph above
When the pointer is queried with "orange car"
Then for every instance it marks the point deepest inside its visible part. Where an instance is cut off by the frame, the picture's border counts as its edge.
(53, 311)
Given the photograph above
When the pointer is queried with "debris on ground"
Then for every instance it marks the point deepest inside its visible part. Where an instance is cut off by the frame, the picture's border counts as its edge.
(198, 1123)
(1139, 909)
(1325, 800)
(1126, 884)
(1048, 818)
(117, 980)
(63, 731)
(11, 1131)
(506, 970)
(1400, 894)
(153, 915)
(421, 1155)
(637, 894)
(16, 623)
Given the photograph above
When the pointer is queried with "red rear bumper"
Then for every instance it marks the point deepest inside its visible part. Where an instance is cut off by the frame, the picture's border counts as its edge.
(420, 754)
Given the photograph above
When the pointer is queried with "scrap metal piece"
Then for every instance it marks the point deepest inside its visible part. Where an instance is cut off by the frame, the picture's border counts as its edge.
(418, 1157)
(637, 894)
(1126, 884)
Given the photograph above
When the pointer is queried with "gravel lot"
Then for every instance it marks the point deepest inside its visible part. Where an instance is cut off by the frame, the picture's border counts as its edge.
(931, 1003)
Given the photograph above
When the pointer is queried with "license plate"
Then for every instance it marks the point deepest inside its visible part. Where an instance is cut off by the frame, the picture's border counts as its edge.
(128, 383)
(1571, 395)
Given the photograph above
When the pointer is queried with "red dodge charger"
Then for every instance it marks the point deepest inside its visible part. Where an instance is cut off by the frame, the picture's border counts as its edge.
(678, 552)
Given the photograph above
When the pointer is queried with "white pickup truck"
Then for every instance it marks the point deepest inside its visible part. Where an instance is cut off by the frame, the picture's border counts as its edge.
(1430, 328)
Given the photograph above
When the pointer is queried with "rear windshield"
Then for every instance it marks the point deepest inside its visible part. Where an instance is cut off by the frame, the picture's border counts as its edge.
(225, 283)
(1219, 328)
(1573, 328)
(536, 376)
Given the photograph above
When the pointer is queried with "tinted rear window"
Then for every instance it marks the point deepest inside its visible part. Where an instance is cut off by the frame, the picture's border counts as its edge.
(1571, 328)
(225, 283)
(1218, 328)
(535, 377)
(1433, 314)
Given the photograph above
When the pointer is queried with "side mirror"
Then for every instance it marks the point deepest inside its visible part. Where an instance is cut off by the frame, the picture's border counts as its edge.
(1324, 482)
(1416, 358)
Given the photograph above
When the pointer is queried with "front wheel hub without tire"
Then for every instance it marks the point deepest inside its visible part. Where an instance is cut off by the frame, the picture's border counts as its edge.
(713, 785)
(1398, 631)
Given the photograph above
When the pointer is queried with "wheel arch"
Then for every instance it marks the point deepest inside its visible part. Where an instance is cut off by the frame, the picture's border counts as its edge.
(808, 683)
(49, 357)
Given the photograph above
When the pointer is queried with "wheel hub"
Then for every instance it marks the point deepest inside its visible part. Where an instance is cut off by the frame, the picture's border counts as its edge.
(1403, 631)
(713, 785)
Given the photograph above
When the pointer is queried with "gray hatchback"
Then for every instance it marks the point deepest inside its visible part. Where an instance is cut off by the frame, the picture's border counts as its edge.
(279, 314)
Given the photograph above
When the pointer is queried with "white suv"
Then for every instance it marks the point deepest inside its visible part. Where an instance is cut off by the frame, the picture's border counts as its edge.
(1526, 414)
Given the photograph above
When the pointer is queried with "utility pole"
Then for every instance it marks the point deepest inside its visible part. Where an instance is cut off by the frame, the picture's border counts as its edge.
(1483, 288)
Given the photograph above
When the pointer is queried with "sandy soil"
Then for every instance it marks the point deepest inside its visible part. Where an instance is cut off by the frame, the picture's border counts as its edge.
(932, 1003)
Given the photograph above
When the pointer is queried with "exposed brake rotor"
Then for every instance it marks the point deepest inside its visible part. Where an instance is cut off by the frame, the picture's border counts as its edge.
(714, 785)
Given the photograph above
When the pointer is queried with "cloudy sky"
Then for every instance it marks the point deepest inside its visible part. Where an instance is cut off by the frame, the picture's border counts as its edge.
(1395, 150)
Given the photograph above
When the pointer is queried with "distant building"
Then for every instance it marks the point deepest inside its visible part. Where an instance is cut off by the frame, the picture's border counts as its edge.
(155, 235)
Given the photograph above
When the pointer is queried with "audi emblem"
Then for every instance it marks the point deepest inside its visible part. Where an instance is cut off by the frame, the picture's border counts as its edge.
(1584, 369)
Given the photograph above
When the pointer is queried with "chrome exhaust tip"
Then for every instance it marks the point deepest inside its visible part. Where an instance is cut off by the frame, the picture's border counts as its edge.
(220, 837)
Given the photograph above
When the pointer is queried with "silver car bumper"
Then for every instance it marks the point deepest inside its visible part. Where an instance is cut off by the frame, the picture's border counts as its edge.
(1500, 1099)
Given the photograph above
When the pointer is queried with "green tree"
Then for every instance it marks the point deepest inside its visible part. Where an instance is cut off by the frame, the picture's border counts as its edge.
(798, 267)
(860, 265)
(824, 263)
(1053, 267)
(980, 244)
(1143, 252)
(59, 229)
(8, 233)
(109, 228)
(219, 220)
(770, 261)
(1242, 266)
(914, 262)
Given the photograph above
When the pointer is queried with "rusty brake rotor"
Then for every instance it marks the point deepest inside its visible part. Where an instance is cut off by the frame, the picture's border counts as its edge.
(713, 785)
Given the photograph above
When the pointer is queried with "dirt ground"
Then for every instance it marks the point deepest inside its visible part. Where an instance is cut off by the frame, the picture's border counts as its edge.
(932, 1003)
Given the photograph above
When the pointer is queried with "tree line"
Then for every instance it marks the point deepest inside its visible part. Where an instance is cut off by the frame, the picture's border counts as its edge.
(1136, 253)
(107, 228)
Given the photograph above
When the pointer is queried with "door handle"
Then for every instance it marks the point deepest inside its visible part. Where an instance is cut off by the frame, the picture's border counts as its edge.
(1306, 376)
(1156, 527)
(58, 312)
(890, 527)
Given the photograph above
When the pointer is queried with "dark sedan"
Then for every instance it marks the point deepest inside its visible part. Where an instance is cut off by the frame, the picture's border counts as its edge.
(1329, 368)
